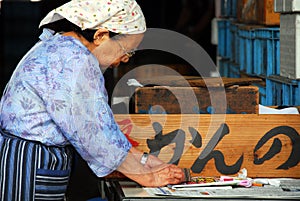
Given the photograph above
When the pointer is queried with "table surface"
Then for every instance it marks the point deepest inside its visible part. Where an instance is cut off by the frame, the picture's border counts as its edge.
(130, 191)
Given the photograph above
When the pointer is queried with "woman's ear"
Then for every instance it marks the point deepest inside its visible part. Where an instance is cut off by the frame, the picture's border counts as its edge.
(101, 35)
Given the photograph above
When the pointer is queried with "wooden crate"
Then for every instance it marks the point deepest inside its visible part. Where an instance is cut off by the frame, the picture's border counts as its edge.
(215, 145)
(196, 95)
(258, 12)
(197, 100)
(239, 10)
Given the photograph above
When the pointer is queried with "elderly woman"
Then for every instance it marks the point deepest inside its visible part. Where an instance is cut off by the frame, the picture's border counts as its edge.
(56, 103)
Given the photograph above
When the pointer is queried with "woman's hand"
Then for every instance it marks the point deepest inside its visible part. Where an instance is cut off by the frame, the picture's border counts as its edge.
(170, 174)
(159, 176)
(153, 174)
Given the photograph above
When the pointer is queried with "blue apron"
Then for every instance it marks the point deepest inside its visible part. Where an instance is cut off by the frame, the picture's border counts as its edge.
(32, 171)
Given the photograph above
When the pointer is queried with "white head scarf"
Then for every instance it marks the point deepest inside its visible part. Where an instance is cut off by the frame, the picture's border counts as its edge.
(119, 16)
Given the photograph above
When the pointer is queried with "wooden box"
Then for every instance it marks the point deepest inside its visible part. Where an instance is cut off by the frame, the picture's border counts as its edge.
(196, 95)
(215, 145)
(258, 12)
(239, 10)
(196, 100)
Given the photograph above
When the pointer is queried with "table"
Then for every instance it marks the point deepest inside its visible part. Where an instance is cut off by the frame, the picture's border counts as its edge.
(122, 190)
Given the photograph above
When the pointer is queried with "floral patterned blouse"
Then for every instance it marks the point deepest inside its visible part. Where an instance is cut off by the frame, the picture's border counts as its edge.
(57, 96)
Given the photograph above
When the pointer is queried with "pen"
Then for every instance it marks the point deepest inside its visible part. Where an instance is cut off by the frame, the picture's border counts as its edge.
(291, 189)
(163, 191)
(257, 184)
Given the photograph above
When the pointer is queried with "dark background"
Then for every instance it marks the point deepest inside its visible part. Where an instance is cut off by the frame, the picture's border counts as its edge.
(19, 20)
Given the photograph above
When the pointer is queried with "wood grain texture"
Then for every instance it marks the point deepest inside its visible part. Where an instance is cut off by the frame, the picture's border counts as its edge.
(266, 145)
(257, 12)
(197, 100)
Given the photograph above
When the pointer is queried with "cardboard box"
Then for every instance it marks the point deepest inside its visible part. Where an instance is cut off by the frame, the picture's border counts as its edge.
(215, 145)
(290, 45)
(287, 6)
(197, 100)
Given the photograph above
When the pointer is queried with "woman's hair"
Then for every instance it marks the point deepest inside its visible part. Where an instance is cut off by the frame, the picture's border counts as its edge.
(64, 25)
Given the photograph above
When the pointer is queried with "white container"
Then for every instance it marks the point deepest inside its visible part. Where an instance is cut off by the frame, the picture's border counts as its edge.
(286, 6)
(214, 31)
(290, 45)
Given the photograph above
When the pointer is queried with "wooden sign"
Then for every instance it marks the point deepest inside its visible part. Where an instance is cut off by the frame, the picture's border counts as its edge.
(215, 145)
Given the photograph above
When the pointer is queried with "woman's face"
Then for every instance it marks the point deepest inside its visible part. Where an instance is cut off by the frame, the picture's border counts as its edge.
(112, 51)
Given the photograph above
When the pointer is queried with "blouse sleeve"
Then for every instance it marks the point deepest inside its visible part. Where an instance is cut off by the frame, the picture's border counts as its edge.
(79, 107)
